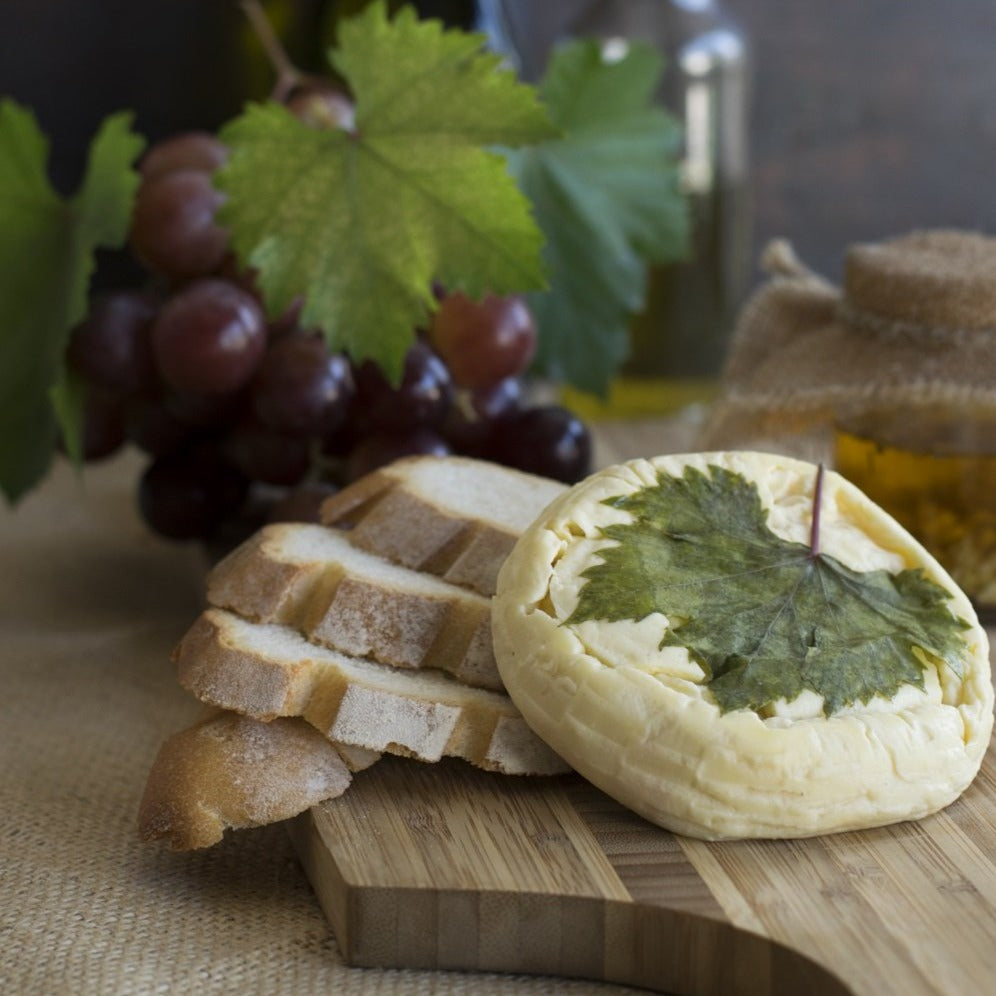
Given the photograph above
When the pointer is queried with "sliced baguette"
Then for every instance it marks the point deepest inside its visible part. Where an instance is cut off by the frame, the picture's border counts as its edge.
(311, 578)
(231, 771)
(455, 517)
(266, 670)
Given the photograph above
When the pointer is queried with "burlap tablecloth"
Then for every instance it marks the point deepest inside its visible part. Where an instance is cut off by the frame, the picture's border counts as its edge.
(90, 606)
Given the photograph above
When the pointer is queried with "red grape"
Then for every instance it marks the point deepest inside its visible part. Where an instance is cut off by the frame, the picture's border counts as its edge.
(263, 454)
(498, 401)
(301, 388)
(151, 426)
(173, 230)
(472, 418)
(188, 493)
(423, 397)
(385, 447)
(205, 411)
(111, 347)
(188, 150)
(209, 338)
(547, 440)
(341, 441)
(103, 426)
(483, 342)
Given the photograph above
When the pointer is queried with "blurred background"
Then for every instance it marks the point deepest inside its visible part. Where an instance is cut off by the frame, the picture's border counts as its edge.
(867, 117)
(870, 118)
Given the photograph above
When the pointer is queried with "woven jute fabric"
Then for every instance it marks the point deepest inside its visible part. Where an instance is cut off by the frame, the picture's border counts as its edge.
(91, 606)
(912, 328)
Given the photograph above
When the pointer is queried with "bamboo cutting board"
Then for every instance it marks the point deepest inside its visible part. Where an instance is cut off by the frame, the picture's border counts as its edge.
(444, 866)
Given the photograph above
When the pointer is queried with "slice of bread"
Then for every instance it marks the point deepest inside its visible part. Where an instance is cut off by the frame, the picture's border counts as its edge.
(311, 578)
(267, 670)
(231, 771)
(455, 517)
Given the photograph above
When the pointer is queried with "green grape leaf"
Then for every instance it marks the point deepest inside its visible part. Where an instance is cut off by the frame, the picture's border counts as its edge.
(360, 224)
(766, 618)
(47, 246)
(606, 195)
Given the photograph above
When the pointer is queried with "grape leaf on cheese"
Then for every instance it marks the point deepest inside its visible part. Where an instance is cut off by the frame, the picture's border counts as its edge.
(360, 224)
(605, 192)
(766, 618)
(47, 246)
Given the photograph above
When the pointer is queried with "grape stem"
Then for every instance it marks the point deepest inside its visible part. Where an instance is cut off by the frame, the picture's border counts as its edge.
(288, 75)
(814, 529)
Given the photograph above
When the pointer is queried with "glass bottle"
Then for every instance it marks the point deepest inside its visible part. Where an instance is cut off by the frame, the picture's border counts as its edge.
(678, 342)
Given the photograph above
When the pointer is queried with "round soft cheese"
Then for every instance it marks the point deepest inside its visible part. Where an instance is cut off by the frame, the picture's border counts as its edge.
(626, 703)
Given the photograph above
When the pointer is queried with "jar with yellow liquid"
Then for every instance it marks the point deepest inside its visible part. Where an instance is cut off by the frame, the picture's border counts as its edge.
(935, 471)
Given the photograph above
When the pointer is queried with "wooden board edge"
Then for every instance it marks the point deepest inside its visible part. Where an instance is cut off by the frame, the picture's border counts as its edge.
(606, 940)
(327, 884)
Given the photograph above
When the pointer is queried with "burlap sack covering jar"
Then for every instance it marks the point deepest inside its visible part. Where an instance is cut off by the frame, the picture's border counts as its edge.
(891, 378)
(912, 328)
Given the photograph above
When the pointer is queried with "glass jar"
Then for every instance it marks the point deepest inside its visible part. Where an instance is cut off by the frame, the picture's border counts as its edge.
(678, 342)
(934, 470)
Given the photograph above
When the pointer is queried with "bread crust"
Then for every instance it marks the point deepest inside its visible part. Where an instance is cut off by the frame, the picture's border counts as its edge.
(230, 771)
(266, 670)
(418, 512)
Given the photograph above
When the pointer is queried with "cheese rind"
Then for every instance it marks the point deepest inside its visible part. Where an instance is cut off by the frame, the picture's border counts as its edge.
(641, 723)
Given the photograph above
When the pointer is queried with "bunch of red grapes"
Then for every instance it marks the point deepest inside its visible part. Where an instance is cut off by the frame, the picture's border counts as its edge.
(247, 419)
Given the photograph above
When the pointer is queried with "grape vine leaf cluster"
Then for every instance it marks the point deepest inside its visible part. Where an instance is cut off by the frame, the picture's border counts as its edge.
(361, 223)
(766, 618)
(47, 246)
(606, 195)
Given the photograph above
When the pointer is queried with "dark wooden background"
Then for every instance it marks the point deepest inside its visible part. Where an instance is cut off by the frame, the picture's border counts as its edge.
(870, 117)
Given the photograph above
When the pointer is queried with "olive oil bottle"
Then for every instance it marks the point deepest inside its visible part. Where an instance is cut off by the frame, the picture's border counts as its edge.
(678, 342)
